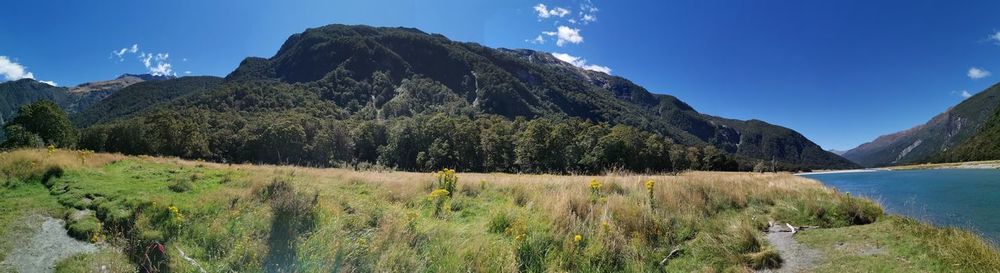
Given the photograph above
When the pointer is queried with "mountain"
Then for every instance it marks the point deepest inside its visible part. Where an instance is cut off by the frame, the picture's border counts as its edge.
(363, 74)
(984, 145)
(518, 83)
(142, 95)
(13, 94)
(836, 152)
(939, 135)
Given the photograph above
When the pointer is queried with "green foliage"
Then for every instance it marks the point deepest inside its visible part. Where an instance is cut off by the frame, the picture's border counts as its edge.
(40, 122)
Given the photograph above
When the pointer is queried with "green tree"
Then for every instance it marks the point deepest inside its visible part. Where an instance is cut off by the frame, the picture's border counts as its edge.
(43, 119)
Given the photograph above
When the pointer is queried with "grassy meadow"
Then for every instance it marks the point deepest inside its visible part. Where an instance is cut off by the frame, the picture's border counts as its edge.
(168, 215)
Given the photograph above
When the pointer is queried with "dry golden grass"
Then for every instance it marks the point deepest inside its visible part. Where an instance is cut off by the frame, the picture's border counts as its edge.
(495, 222)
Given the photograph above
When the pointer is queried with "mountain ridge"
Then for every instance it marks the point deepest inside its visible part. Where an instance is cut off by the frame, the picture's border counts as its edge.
(942, 132)
(377, 68)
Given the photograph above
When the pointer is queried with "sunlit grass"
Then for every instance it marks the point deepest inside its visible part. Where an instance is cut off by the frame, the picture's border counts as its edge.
(254, 218)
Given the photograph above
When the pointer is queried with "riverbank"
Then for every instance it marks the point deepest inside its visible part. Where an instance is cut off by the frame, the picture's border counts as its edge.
(185, 216)
(991, 164)
(841, 171)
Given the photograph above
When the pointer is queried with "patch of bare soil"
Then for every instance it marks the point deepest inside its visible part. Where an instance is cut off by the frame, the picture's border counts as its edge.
(796, 257)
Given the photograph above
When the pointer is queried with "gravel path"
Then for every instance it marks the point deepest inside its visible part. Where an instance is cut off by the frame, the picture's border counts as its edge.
(47, 246)
(796, 257)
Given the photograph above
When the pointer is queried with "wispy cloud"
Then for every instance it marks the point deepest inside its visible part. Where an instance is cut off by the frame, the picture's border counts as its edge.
(565, 35)
(157, 64)
(976, 73)
(121, 52)
(581, 63)
(544, 12)
(962, 93)
(537, 40)
(994, 37)
(12, 71)
(588, 12)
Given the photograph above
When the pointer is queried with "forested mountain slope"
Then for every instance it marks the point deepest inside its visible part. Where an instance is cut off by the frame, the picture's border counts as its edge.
(939, 135)
(347, 83)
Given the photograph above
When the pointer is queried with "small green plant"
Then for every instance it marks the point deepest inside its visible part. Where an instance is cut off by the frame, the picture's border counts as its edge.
(595, 190)
(439, 198)
(83, 155)
(649, 190)
(446, 180)
(176, 218)
(181, 185)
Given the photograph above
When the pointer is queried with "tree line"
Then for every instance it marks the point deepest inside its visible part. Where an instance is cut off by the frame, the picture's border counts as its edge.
(484, 143)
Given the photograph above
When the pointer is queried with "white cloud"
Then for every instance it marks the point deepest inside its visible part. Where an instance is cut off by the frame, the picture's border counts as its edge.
(121, 52)
(976, 73)
(565, 35)
(962, 93)
(995, 37)
(544, 12)
(581, 63)
(537, 40)
(187, 72)
(588, 12)
(12, 71)
(157, 64)
(52, 83)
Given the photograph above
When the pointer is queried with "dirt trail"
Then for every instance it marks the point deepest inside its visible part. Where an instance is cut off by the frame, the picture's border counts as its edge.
(49, 244)
(796, 257)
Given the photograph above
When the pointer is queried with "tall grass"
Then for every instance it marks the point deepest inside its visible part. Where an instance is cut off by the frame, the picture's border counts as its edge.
(282, 218)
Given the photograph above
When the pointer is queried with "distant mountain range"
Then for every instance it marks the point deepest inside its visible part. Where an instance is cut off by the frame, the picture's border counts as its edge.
(963, 132)
(341, 71)
(13, 94)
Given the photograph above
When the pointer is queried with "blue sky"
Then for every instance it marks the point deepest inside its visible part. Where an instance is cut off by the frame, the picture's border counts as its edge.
(839, 72)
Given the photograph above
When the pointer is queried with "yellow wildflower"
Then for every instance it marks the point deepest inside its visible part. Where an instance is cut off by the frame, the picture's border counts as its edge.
(595, 185)
(438, 193)
(577, 238)
(649, 184)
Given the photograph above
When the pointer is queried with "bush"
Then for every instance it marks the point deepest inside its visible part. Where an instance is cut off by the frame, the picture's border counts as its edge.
(181, 185)
(500, 221)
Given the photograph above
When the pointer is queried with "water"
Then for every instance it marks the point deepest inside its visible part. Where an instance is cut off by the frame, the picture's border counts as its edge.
(966, 198)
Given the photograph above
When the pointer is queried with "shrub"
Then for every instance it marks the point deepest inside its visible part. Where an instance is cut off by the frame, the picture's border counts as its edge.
(181, 185)
(500, 221)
